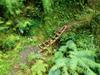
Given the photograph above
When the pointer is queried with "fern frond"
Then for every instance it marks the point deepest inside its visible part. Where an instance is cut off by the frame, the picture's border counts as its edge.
(39, 68)
(75, 61)
(85, 53)
(90, 63)
(71, 45)
(89, 72)
(12, 6)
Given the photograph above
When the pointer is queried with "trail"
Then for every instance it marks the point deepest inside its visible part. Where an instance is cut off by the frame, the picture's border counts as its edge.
(23, 58)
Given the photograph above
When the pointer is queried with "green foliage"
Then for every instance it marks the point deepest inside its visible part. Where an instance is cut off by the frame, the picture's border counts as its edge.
(69, 3)
(23, 26)
(4, 64)
(47, 4)
(33, 12)
(12, 7)
(39, 68)
(95, 25)
(33, 56)
(54, 72)
(20, 26)
(26, 22)
(98, 5)
(9, 42)
(70, 60)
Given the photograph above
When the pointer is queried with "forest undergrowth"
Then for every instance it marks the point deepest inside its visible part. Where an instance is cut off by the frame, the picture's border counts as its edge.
(26, 23)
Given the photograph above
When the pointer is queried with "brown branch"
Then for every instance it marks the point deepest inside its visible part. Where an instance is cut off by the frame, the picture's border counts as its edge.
(54, 39)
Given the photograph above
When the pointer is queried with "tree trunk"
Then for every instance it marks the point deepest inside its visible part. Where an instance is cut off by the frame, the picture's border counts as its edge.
(47, 6)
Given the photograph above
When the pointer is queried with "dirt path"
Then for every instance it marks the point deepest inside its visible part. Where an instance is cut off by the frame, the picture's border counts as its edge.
(23, 58)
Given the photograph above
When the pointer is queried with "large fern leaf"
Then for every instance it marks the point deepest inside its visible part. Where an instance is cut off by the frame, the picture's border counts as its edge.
(72, 61)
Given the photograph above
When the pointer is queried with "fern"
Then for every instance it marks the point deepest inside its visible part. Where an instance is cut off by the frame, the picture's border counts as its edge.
(39, 68)
(12, 7)
(8, 42)
(22, 25)
(72, 61)
(25, 26)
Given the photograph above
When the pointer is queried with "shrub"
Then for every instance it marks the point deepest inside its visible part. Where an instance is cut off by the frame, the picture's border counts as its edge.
(8, 42)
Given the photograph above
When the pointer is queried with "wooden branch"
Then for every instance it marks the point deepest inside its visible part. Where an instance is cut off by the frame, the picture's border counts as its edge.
(54, 39)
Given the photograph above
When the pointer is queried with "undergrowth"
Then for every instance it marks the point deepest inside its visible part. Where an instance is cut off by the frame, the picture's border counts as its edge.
(30, 22)
(76, 57)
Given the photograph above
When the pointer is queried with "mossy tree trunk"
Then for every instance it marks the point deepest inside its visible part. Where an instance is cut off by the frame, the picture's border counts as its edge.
(47, 6)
